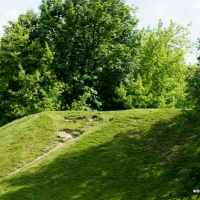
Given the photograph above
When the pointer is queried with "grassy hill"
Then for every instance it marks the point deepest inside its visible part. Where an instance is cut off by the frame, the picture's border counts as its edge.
(116, 155)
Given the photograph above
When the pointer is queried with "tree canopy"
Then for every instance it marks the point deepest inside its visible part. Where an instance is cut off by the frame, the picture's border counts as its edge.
(160, 70)
(71, 48)
(89, 54)
(94, 43)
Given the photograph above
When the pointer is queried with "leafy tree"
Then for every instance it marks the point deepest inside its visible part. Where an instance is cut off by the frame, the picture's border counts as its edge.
(193, 86)
(122, 100)
(160, 70)
(81, 104)
(94, 43)
(72, 52)
(193, 89)
(27, 83)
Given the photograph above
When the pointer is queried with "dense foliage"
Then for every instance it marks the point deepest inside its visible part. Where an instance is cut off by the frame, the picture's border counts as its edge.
(28, 84)
(193, 87)
(94, 44)
(72, 48)
(160, 70)
(89, 55)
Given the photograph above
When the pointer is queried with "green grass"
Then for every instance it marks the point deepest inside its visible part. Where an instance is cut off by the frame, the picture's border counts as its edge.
(118, 155)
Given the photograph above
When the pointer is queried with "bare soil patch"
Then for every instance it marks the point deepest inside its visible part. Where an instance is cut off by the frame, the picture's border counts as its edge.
(64, 134)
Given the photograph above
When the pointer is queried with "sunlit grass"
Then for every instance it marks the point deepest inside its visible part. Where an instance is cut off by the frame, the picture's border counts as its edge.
(133, 154)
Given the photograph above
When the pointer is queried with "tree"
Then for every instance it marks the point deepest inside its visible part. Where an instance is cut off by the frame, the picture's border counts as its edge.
(73, 52)
(193, 86)
(27, 83)
(94, 42)
(193, 89)
(160, 69)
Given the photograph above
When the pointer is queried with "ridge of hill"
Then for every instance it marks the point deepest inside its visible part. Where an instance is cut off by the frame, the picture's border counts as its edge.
(118, 155)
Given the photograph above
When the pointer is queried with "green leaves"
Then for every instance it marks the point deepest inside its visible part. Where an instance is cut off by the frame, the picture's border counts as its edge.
(159, 70)
(93, 46)
(50, 61)
(193, 88)
(161, 65)
(72, 48)
(28, 85)
(81, 104)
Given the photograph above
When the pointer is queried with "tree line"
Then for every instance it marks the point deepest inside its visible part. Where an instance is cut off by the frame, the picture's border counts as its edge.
(90, 54)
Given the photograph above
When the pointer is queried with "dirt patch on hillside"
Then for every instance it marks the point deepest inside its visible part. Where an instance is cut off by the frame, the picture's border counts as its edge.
(74, 118)
(65, 136)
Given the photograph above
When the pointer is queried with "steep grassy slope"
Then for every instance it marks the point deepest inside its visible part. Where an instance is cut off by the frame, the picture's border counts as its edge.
(122, 155)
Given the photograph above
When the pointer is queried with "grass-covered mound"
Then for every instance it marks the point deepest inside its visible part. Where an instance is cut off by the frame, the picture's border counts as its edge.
(121, 155)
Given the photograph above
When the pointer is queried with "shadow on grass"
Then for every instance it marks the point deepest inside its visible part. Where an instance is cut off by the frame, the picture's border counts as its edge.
(133, 165)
